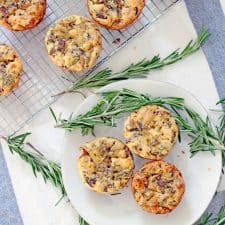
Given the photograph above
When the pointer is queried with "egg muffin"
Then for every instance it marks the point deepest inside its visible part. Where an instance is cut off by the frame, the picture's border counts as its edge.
(10, 69)
(115, 14)
(158, 187)
(151, 132)
(105, 165)
(20, 15)
(74, 43)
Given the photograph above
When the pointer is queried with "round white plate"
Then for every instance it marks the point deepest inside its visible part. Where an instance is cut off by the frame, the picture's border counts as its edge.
(201, 173)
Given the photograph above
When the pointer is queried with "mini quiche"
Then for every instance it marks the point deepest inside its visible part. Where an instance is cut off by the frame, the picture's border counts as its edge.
(74, 43)
(151, 132)
(115, 14)
(10, 69)
(19, 15)
(105, 165)
(158, 187)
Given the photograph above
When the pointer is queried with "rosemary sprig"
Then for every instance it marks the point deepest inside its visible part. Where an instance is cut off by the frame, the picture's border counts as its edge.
(110, 106)
(49, 170)
(113, 104)
(204, 138)
(140, 69)
(207, 218)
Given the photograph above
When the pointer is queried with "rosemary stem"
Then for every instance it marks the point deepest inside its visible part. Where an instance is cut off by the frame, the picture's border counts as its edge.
(4, 138)
(60, 93)
(139, 69)
(34, 148)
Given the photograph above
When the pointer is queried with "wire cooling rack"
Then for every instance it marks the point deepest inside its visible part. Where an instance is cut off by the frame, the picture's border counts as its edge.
(41, 78)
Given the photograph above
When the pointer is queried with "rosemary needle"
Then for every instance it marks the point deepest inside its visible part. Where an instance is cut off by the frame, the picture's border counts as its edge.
(221, 126)
(140, 69)
(82, 221)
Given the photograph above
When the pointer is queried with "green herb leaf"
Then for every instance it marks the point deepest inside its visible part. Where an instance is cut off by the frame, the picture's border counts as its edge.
(53, 114)
(82, 221)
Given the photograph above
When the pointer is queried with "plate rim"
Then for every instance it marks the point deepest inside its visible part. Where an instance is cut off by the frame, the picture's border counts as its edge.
(107, 87)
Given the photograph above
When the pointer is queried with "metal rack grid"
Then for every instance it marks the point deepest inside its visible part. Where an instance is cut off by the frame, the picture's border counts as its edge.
(41, 78)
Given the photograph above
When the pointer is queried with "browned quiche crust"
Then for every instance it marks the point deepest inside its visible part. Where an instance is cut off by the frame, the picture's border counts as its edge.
(20, 15)
(158, 187)
(105, 165)
(115, 14)
(74, 43)
(151, 132)
(10, 69)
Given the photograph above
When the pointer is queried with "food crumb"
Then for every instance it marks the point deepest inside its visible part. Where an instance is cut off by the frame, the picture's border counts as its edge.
(116, 194)
(183, 152)
(116, 41)
(209, 169)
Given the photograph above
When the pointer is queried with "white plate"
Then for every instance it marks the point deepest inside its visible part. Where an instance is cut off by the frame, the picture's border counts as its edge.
(201, 173)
